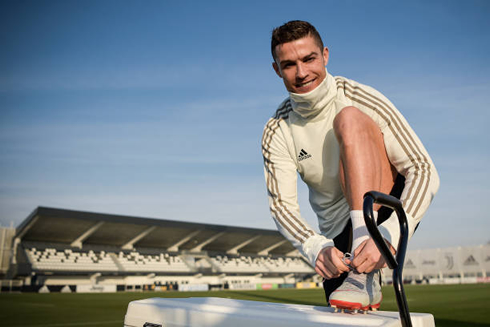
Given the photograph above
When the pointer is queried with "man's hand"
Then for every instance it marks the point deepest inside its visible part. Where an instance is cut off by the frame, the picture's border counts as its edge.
(368, 258)
(329, 263)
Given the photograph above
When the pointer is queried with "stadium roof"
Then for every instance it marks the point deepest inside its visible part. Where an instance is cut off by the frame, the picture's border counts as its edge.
(79, 228)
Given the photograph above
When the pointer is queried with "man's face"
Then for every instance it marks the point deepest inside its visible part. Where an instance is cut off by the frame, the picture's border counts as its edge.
(301, 64)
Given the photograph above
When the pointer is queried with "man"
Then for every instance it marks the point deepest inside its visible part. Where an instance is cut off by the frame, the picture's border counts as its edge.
(344, 139)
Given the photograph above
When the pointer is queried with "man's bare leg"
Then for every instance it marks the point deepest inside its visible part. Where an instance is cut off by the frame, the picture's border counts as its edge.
(364, 166)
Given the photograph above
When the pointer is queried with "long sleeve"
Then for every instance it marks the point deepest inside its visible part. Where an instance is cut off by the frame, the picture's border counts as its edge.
(410, 158)
(281, 179)
(405, 152)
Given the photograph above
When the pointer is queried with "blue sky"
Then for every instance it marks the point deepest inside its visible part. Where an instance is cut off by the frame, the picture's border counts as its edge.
(156, 108)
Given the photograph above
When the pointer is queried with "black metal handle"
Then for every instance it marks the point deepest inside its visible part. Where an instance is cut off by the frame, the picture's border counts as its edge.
(394, 263)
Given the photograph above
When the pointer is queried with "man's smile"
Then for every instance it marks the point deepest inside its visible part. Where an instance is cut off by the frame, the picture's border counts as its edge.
(305, 83)
(305, 86)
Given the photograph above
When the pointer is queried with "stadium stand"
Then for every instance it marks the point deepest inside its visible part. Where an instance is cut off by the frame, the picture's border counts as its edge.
(55, 249)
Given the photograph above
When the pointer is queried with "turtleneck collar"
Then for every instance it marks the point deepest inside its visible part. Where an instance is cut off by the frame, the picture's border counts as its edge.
(310, 104)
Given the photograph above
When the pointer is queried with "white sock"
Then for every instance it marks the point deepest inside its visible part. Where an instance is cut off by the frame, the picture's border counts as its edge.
(359, 229)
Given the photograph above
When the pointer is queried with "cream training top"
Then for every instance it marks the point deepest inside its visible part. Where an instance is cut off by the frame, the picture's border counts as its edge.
(299, 139)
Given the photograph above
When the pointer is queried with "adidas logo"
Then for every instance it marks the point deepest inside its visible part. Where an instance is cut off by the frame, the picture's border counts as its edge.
(470, 261)
(303, 155)
(409, 264)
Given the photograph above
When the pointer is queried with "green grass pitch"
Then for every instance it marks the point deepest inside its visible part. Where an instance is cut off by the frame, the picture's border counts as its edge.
(451, 305)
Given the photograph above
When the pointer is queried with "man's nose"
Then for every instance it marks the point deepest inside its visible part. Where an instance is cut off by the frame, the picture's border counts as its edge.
(301, 72)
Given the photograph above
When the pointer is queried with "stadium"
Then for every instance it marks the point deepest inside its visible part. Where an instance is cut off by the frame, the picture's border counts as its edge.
(56, 250)
(129, 258)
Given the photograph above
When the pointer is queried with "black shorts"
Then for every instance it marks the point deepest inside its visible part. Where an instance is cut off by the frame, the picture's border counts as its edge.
(343, 241)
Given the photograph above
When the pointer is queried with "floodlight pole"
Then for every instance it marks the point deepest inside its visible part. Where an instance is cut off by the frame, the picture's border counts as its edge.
(394, 263)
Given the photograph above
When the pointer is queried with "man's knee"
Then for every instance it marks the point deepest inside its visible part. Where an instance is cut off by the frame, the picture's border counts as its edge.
(351, 123)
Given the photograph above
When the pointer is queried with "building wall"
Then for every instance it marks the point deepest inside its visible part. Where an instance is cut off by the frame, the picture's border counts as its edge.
(456, 262)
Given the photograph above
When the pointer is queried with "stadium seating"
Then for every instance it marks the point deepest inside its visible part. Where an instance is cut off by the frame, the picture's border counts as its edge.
(288, 265)
(69, 260)
(77, 260)
(248, 264)
(136, 262)
(240, 264)
(50, 259)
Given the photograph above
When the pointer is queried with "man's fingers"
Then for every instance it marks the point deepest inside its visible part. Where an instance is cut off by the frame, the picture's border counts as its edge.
(339, 263)
(334, 270)
(367, 257)
(324, 271)
(366, 266)
(320, 272)
(359, 258)
(329, 263)
(359, 249)
(321, 268)
(381, 264)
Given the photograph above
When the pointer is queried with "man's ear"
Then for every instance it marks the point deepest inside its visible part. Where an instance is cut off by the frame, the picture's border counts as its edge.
(325, 55)
(276, 69)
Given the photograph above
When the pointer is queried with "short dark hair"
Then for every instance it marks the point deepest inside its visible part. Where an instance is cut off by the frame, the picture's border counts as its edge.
(292, 31)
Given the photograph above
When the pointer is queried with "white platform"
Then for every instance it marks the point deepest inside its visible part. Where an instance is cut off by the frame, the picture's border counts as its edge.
(219, 312)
